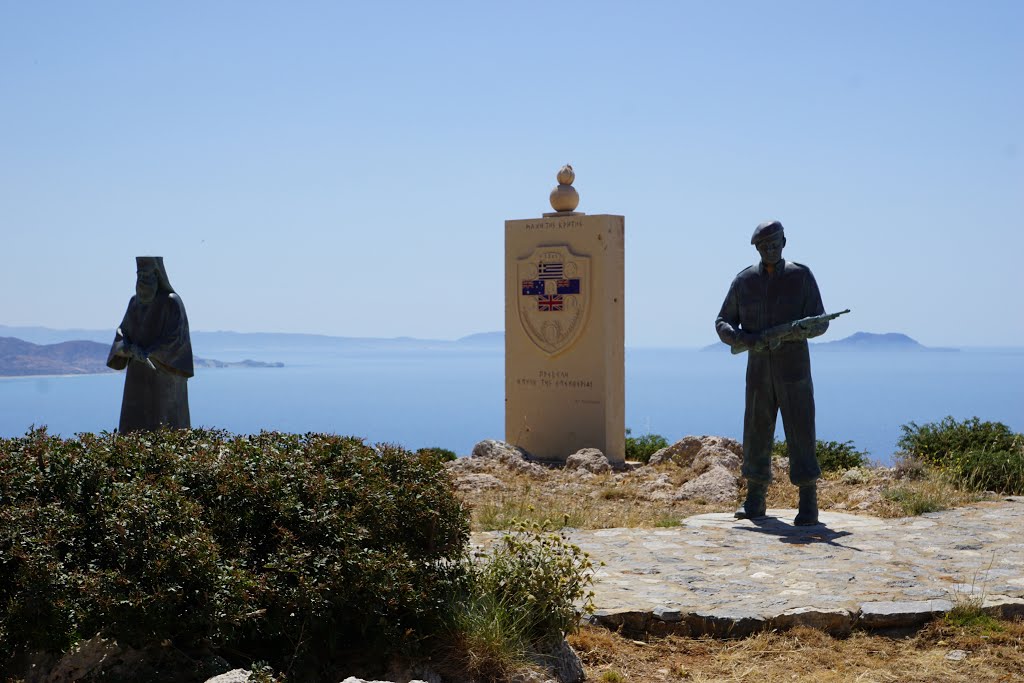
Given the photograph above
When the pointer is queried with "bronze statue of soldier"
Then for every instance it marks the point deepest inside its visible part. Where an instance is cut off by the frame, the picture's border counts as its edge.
(153, 344)
(770, 312)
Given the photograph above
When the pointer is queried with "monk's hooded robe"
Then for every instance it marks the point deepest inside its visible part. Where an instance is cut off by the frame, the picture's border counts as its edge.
(157, 396)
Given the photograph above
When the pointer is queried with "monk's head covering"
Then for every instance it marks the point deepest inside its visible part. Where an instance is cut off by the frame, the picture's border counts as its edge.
(157, 264)
(767, 230)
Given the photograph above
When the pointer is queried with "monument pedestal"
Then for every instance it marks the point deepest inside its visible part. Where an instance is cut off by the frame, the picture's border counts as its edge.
(564, 335)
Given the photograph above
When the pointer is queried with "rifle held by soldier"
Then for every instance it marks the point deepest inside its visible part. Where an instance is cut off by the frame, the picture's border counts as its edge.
(773, 337)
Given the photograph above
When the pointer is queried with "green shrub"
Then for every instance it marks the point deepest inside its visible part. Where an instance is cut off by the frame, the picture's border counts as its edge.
(1000, 471)
(518, 600)
(832, 455)
(535, 575)
(937, 443)
(981, 456)
(293, 547)
(641, 448)
(441, 454)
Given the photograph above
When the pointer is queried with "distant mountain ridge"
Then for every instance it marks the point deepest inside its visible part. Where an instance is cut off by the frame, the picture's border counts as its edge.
(19, 358)
(227, 342)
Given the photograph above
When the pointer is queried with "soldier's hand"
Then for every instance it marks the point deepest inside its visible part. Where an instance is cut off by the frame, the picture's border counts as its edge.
(748, 339)
(811, 331)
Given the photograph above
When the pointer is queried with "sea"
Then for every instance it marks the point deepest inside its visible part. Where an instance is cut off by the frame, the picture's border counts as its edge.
(453, 398)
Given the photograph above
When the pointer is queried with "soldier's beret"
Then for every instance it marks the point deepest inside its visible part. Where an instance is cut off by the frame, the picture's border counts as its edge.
(766, 230)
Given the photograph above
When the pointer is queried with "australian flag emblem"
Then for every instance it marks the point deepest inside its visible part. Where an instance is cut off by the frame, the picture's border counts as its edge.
(533, 287)
(551, 302)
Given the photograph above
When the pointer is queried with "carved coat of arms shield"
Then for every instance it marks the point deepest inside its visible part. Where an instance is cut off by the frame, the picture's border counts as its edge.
(553, 300)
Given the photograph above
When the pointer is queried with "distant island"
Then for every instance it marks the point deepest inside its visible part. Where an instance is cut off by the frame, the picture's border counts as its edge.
(861, 341)
(19, 358)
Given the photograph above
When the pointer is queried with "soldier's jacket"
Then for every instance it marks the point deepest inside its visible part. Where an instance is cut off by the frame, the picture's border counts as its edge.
(758, 301)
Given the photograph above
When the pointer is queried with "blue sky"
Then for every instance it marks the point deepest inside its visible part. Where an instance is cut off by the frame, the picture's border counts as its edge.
(347, 168)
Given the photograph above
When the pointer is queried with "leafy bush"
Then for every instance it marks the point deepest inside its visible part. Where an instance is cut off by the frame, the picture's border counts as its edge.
(982, 456)
(520, 600)
(295, 547)
(641, 448)
(832, 455)
(536, 574)
(441, 454)
(1000, 471)
(937, 443)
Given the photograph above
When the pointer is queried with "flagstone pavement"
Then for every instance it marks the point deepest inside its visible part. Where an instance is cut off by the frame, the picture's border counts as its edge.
(717, 575)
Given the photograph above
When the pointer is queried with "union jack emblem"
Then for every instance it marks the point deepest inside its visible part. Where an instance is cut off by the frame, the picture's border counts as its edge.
(550, 302)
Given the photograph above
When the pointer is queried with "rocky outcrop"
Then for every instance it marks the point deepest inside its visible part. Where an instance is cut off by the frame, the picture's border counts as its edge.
(716, 485)
(567, 665)
(490, 461)
(510, 456)
(716, 461)
(589, 459)
(233, 676)
(685, 451)
(478, 481)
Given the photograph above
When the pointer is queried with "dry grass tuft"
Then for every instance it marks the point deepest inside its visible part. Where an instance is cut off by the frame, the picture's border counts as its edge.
(931, 492)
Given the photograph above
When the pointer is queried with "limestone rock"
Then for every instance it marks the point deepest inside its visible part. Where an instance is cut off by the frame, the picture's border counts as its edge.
(233, 676)
(731, 445)
(717, 485)
(530, 676)
(855, 475)
(471, 481)
(658, 488)
(589, 459)
(512, 457)
(87, 658)
(685, 451)
(680, 453)
(498, 450)
(714, 455)
(780, 468)
(567, 665)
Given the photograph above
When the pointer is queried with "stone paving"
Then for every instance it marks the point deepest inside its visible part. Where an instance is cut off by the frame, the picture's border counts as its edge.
(718, 575)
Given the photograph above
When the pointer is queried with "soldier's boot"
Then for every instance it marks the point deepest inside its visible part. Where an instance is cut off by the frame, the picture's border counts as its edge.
(807, 515)
(754, 507)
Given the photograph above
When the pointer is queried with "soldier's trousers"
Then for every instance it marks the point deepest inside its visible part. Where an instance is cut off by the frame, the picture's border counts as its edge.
(770, 390)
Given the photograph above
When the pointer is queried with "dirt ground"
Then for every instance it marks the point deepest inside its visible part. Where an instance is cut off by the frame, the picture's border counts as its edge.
(939, 652)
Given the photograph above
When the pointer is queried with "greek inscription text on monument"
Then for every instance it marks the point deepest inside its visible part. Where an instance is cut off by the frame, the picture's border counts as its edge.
(555, 379)
(554, 225)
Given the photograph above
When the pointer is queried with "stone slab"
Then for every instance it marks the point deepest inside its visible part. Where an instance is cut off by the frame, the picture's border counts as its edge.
(721, 576)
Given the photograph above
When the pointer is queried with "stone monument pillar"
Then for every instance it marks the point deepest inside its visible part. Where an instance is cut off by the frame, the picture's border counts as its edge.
(564, 330)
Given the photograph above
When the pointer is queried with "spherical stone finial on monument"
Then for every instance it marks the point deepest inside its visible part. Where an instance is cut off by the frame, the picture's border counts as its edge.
(564, 198)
